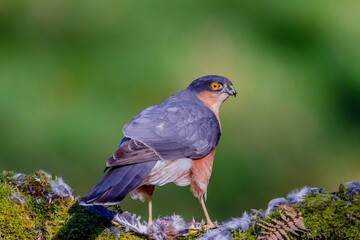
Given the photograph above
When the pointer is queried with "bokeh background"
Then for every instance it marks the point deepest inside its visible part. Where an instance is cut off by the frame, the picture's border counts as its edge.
(72, 73)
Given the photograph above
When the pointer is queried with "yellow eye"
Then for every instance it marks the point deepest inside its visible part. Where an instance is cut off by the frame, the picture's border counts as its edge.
(215, 86)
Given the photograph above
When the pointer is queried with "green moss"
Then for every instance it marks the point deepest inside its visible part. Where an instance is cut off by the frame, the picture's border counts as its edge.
(36, 217)
(326, 216)
(15, 218)
(251, 234)
(331, 217)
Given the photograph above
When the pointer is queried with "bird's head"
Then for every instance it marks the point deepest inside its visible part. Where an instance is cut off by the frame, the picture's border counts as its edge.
(213, 90)
(213, 84)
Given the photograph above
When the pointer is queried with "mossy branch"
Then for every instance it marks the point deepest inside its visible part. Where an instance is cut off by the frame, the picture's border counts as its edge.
(41, 206)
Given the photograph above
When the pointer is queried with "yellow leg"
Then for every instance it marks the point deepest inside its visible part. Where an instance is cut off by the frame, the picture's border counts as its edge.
(150, 210)
(208, 220)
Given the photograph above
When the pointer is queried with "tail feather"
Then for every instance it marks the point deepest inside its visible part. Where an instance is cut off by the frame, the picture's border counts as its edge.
(117, 183)
(113, 178)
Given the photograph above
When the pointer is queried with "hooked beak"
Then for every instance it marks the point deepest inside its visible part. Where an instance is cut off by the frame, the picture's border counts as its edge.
(231, 91)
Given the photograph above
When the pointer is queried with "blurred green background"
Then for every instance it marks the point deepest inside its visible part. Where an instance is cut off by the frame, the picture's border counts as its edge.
(72, 73)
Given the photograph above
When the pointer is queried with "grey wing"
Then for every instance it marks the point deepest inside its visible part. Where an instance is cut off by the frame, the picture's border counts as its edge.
(176, 130)
(131, 151)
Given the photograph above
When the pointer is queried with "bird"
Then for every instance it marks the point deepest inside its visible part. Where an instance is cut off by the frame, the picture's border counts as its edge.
(174, 141)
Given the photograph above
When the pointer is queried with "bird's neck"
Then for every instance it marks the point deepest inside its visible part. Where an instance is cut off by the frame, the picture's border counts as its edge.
(213, 101)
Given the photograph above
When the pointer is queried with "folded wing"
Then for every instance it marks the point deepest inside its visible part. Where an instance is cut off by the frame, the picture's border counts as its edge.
(176, 130)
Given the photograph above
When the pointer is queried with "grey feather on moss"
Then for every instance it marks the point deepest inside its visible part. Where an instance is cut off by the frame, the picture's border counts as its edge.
(298, 195)
(354, 188)
(272, 204)
(168, 228)
(60, 188)
(216, 234)
(19, 178)
(242, 223)
(18, 197)
(115, 230)
(131, 222)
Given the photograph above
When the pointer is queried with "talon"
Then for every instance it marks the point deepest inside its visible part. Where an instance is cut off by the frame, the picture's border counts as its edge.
(150, 223)
(209, 225)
